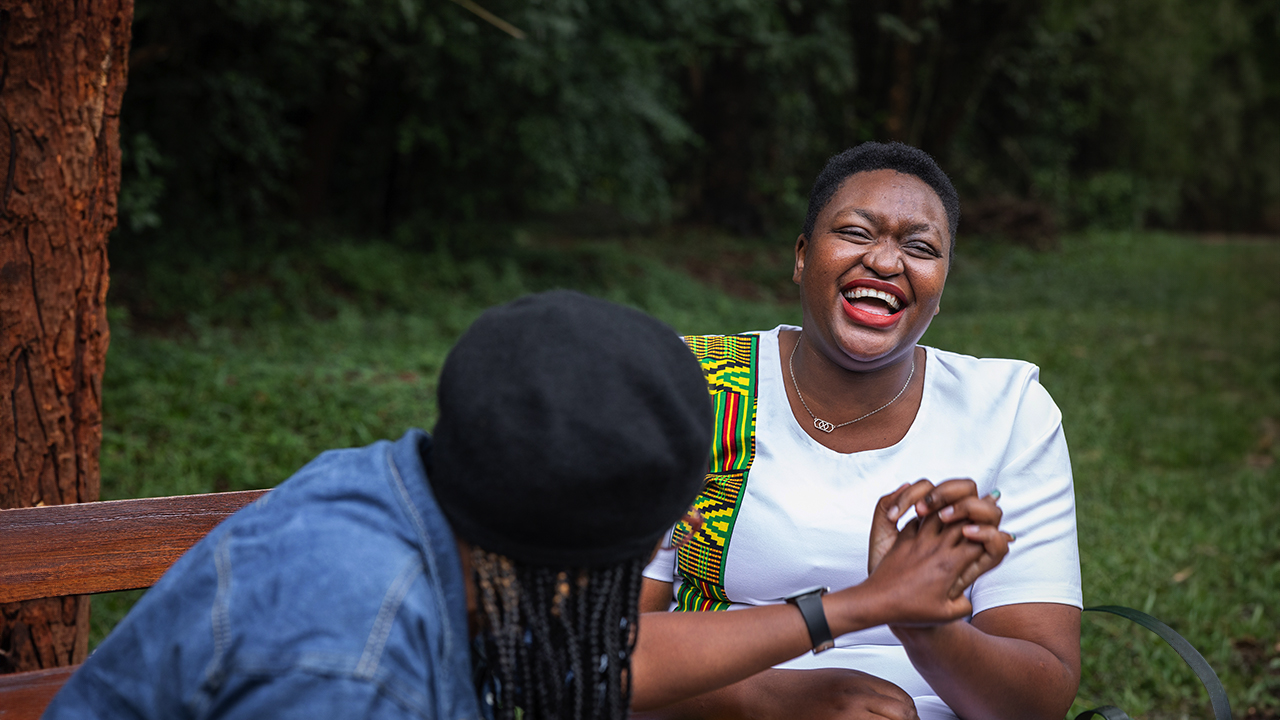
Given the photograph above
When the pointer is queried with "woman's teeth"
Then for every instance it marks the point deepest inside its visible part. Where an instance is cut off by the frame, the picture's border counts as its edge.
(866, 292)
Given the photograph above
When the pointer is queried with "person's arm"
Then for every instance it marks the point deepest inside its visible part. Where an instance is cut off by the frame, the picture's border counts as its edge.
(1019, 657)
(1014, 661)
(819, 694)
(655, 596)
(680, 655)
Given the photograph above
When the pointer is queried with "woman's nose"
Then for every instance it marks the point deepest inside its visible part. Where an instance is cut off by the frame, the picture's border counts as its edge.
(884, 258)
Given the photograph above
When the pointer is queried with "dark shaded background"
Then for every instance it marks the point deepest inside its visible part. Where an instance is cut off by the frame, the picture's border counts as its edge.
(252, 121)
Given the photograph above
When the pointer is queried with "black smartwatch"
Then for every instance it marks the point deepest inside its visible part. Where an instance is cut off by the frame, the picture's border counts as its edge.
(809, 602)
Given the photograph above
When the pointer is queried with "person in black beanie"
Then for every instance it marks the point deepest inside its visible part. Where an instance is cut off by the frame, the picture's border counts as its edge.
(572, 433)
(493, 569)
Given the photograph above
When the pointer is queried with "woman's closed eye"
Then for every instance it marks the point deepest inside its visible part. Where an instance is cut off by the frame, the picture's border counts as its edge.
(922, 248)
(855, 234)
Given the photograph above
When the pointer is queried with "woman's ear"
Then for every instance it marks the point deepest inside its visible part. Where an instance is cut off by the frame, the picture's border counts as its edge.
(802, 244)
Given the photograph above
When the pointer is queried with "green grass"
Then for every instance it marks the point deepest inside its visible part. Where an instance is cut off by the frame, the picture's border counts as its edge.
(1163, 352)
(1164, 355)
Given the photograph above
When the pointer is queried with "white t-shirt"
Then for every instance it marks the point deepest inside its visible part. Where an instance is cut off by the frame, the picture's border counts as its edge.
(805, 513)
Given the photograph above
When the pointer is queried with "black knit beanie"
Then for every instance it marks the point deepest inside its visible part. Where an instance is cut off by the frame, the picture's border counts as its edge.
(573, 432)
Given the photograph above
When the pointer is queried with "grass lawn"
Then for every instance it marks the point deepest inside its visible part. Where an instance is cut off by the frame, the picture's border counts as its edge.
(1163, 352)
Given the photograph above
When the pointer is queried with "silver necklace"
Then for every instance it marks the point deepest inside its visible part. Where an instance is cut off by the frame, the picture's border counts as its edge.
(824, 425)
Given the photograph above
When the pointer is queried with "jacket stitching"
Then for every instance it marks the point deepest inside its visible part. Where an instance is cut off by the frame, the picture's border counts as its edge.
(368, 663)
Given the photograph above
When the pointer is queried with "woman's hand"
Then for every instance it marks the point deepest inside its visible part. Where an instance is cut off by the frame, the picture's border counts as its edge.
(953, 501)
(916, 579)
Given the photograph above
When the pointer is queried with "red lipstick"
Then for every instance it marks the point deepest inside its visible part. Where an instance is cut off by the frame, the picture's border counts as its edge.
(866, 317)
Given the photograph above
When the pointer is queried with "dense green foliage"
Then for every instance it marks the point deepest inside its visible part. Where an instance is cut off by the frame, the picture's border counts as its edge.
(253, 118)
(230, 372)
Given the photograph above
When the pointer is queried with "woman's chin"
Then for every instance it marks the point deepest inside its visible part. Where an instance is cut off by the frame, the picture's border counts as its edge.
(864, 354)
(868, 348)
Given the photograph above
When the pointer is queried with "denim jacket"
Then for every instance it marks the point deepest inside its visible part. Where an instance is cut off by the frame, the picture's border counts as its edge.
(337, 595)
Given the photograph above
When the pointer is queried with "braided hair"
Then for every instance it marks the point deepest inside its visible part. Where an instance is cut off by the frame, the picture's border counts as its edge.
(558, 640)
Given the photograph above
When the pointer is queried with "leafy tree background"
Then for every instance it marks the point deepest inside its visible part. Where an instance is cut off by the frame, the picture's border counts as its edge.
(255, 120)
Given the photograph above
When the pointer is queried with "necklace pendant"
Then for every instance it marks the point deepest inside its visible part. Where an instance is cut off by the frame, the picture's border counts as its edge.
(823, 425)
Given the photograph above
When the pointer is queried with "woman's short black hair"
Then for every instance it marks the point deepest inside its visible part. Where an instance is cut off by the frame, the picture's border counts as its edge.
(882, 156)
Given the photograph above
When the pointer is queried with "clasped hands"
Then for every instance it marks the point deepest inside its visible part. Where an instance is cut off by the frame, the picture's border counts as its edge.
(928, 564)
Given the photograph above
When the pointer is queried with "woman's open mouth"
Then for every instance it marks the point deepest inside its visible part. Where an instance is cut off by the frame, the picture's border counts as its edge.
(872, 307)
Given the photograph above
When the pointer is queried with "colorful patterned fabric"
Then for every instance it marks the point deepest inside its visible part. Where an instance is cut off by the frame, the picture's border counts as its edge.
(729, 362)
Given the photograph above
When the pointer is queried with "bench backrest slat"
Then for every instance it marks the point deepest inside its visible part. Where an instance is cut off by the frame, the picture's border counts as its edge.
(103, 546)
(91, 548)
(26, 695)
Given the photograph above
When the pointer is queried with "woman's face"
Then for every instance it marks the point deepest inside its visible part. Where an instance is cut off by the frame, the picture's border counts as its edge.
(872, 274)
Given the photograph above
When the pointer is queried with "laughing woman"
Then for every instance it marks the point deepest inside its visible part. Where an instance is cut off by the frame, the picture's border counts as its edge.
(817, 423)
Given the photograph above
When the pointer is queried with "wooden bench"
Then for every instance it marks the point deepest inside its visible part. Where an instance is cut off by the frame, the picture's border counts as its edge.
(93, 548)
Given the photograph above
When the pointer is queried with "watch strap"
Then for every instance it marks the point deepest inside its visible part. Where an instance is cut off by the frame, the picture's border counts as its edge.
(809, 603)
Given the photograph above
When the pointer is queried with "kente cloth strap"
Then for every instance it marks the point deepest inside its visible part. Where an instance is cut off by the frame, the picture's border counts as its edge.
(730, 363)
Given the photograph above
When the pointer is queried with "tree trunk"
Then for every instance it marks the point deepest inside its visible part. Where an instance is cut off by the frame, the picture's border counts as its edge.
(62, 74)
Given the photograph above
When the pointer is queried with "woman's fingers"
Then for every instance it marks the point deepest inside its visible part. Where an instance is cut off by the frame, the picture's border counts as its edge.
(973, 509)
(884, 522)
(948, 515)
(922, 568)
(896, 503)
(995, 545)
(932, 525)
(946, 493)
(995, 542)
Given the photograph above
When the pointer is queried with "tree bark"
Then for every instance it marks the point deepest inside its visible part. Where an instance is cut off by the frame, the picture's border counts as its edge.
(62, 75)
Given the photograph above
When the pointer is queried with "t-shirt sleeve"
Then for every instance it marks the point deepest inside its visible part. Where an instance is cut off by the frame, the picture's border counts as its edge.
(1037, 496)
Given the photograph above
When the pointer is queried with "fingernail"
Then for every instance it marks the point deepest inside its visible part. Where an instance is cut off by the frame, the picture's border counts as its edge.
(972, 528)
(1012, 537)
(894, 512)
(995, 494)
(946, 512)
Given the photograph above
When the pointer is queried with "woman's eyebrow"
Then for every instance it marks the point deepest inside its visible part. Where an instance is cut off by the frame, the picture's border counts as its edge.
(870, 216)
(879, 221)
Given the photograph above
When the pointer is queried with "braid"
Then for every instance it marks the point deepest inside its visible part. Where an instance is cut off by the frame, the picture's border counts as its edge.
(562, 638)
(538, 634)
(499, 593)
